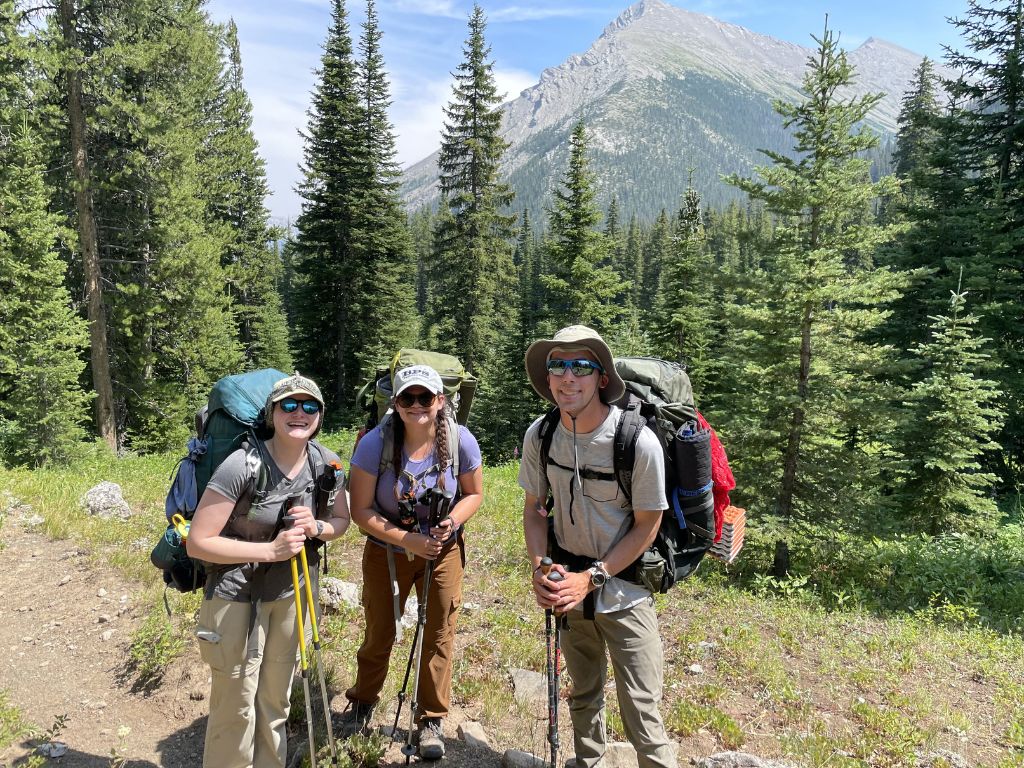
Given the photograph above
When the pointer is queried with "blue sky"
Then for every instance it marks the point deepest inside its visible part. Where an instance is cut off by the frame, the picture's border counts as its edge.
(282, 42)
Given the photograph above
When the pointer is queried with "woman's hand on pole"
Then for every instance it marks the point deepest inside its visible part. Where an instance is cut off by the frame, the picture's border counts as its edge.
(288, 543)
(304, 520)
(424, 546)
(443, 530)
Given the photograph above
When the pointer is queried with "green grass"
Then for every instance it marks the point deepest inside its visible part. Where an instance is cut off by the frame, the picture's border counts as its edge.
(821, 671)
(12, 723)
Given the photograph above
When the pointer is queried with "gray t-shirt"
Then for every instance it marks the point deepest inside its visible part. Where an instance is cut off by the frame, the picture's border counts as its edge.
(258, 522)
(600, 513)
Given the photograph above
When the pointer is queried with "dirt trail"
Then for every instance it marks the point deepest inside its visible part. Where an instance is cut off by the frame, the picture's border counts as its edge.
(65, 630)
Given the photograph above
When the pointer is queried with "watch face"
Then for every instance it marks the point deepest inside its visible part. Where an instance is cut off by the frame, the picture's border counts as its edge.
(319, 527)
(597, 577)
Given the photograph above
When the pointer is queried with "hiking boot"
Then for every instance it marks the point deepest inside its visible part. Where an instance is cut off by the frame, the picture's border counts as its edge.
(430, 738)
(355, 719)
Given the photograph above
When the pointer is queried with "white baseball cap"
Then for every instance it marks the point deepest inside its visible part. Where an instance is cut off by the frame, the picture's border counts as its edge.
(417, 375)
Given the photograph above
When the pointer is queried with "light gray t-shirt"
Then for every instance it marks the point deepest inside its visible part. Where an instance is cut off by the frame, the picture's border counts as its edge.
(259, 523)
(589, 521)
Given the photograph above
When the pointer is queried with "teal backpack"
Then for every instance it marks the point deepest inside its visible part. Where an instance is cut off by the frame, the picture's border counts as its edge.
(226, 423)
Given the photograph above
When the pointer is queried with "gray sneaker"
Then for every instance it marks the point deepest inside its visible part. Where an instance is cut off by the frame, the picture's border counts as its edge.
(355, 719)
(431, 739)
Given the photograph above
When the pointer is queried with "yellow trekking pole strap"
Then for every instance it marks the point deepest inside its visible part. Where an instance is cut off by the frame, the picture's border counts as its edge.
(298, 614)
(309, 598)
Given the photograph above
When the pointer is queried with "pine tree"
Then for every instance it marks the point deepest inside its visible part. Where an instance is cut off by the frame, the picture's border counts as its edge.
(472, 259)
(656, 251)
(70, 68)
(953, 415)
(683, 316)
(990, 89)
(812, 375)
(580, 286)
(237, 187)
(42, 406)
(147, 102)
(326, 255)
(919, 110)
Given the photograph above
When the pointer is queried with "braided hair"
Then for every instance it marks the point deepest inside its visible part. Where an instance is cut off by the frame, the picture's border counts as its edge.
(440, 444)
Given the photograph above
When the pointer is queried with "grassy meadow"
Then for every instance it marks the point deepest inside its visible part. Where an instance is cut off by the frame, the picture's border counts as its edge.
(872, 656)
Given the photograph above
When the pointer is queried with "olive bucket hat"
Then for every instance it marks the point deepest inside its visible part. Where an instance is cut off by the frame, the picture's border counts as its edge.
(575, 336)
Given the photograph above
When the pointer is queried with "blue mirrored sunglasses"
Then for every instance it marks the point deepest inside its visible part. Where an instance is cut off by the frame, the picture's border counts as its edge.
(578, 367)
(291, 405)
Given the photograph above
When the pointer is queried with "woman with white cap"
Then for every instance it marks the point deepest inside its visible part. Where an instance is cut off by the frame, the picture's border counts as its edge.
(247, 628)
(391, 495)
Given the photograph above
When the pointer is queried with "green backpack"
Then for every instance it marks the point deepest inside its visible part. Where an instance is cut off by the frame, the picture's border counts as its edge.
(658, 396)
(459, 388)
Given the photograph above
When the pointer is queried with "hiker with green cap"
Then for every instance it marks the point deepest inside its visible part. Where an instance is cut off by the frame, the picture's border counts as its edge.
(594, 532)
(247, 623)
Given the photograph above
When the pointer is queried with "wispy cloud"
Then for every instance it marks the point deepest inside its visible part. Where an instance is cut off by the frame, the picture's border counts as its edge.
(529, 13)
(443, 8)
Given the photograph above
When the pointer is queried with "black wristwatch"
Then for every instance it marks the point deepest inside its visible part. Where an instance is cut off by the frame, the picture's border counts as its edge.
(319, 529)
(598, 574)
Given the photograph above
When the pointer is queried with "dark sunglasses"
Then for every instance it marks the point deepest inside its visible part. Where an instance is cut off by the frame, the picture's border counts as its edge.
(578, 367)
(291, 405)
(425, 399)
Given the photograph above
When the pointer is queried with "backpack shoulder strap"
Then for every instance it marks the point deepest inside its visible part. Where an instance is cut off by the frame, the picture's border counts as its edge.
(387, 446)
(546, 434)
(454, 436)
(627, 433)
(317, 462)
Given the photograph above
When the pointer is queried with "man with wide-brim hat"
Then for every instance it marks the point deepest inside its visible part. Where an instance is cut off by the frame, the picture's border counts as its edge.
(594, 535)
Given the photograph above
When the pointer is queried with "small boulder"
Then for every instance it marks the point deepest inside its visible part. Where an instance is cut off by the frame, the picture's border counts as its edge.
(516, 758)
(106, 501)
(473, 734)
(336, 594)
(528, 686)
(738, 760)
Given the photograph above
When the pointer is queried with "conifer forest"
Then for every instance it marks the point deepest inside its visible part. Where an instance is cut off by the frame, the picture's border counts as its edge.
(856, 341)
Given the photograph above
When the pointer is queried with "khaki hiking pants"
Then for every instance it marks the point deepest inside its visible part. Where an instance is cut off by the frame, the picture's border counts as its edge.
(249, 698)
(630, 638)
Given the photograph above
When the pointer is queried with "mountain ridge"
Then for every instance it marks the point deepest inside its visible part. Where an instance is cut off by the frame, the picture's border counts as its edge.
(707, 84)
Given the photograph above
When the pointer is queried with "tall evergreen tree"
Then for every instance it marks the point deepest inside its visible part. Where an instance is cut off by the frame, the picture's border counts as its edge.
(355, 273)
(387, 303)
(236, 189)
(42, 406)
(991, 122)
(146, 100)
(919, 111)
(683, 317)
(580, 285)
(953, 415)
(472, 258)
(814, 372)
(657, 249)
(70, 67)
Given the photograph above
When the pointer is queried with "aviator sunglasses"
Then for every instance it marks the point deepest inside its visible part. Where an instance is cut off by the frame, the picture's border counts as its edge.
(291, 405)
(578, 367)
(425, 399)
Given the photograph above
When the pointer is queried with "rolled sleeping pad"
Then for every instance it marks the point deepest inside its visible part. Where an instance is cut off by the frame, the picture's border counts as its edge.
(693, 500)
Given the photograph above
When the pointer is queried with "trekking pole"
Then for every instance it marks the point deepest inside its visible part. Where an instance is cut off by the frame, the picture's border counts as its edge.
(420, 614)
(554, 652)
(319, 656)
(304, 661)
(416, 652)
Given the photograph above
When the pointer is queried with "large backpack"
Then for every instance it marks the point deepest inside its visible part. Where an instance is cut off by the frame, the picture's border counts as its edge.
(226, 423)
(459, 388)
(659, 396)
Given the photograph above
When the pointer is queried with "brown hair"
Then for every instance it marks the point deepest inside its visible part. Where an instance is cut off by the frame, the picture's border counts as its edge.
(440, 444)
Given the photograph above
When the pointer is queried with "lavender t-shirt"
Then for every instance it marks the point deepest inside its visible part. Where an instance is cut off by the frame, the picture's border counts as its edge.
(367, 458)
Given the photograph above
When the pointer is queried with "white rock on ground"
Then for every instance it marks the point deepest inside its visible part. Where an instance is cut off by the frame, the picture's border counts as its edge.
(105, 500)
